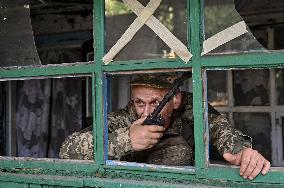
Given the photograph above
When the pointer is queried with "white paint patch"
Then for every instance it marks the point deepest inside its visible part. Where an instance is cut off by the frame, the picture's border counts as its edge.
(27, 6)
(224, 36)
(5, 19)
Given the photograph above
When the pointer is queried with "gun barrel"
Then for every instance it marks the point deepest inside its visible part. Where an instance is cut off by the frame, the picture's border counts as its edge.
(170, 94)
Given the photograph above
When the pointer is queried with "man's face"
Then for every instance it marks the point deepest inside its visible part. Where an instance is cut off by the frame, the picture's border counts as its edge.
(146, 99)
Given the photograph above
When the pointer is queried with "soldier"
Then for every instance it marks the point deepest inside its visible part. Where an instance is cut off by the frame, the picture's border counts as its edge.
(171, 144)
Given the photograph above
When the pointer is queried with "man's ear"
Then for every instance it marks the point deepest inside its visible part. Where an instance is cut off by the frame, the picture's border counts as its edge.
(177, 100)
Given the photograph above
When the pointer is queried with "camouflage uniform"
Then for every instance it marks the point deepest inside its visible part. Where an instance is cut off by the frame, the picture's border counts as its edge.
(223, 137)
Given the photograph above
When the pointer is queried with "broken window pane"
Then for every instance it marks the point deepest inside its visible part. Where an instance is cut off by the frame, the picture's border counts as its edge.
(257, 126)
(146, 44)
(265, 20)
(40, 114)
(45, 32)
(220, 15)
(251, 87)
(17, 47)
(217, 87)
(71, 38)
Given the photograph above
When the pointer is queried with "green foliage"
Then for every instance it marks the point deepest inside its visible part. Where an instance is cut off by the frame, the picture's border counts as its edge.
(219, 17)
(166, 16)
(115, 7)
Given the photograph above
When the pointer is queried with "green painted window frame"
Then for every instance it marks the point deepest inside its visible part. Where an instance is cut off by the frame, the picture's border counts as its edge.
(202, 172)
(199, 63)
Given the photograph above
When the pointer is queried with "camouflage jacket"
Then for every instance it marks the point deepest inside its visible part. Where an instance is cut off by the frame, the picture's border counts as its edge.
(79, 145)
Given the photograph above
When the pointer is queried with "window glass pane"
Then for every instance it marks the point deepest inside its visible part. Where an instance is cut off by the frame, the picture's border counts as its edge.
(280, 86)
(258, 126)
(140, 95)
(265, 20)
(221, 14)
(17, 47)
(27, 38)
(217, 88)
(251, 87)
(40, 114)
(70, 39)
(146, 43)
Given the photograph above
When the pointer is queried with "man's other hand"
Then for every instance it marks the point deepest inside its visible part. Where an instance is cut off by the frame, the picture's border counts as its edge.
(251, 162)
(144, 136)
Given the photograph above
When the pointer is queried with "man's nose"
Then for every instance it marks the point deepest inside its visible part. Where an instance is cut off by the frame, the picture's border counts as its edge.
(147, 110)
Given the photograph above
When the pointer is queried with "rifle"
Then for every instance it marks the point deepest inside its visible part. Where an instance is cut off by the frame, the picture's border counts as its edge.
(155, 118)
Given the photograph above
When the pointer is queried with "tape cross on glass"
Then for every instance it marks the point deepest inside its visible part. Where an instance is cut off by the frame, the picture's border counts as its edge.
(145, 16)
(224, 36)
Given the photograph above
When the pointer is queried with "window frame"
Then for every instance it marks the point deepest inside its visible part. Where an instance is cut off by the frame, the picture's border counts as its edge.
(203, 172)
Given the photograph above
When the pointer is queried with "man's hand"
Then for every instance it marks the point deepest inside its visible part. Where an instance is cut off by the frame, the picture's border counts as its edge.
(144, 136)
(251, 162)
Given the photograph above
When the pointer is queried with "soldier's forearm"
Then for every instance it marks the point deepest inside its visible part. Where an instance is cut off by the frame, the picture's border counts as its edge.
(225, 137)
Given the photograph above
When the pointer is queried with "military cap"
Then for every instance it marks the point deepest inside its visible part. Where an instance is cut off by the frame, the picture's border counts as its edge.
(157, 80)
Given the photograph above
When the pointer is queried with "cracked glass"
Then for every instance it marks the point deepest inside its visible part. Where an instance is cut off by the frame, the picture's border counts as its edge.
(17, 46)
(263, 19)
(35, 33)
